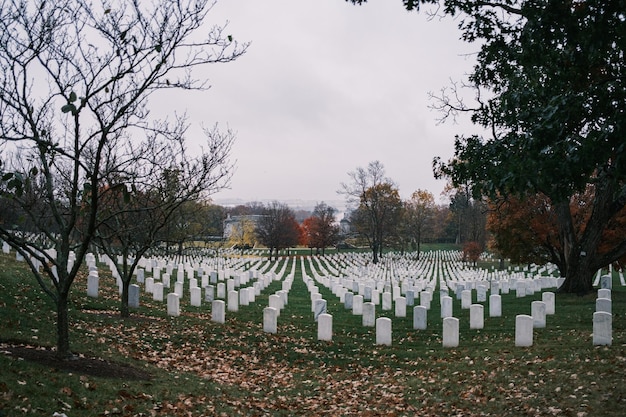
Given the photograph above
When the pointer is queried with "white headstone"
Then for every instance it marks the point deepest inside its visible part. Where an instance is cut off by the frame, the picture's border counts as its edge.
(602, 328)
(604, 304)
(550, 300)
(196, 296)
(369, 314)
(477, 316)
(376, 297)
(149, 285)
(357, 305)
(157, 293)
(410, 298)
(221, 290)
(275, 302)
(606, 281)
(481, 293)
(538, 309)
(179, 289)
(244, 297)
(446, 306)
(320, 308)
(347, 300)
(133, 296)
(425, 299)
(270, 320)
(523, 330)
(400, 307)
(383, 331)
(209, 293)
(325, 327)
(386, 301)
(450, 332)
(218, 311)
(420, 317)
(314, 297)
(466, 299)
(173, 304)
(604, 293)
(233, 301)
(92, 285)
(495, 305)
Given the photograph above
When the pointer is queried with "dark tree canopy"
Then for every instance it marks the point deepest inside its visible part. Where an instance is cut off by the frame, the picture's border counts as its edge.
(549, 81)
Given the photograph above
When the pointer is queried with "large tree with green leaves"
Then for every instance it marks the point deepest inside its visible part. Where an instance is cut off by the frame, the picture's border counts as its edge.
(550, 83)
(76, 80)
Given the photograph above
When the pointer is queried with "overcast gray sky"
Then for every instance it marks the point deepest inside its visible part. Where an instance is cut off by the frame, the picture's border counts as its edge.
(327, 87)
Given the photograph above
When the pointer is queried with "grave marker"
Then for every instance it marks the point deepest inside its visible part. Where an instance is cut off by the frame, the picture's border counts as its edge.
(196, 296)
(450, 332)
(325, 327)
(477, 316)
(157, 293)
(369, 314)
(538, 309)
(133, 296)
(383, 331)
(420, 317)
(602, 328)
(218, 311)
(270, 320)
(495, 305)
(173, 305)
(523, 330)
(400, 307)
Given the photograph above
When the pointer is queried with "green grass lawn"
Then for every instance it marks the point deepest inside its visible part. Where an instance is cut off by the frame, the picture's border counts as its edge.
(198, 367)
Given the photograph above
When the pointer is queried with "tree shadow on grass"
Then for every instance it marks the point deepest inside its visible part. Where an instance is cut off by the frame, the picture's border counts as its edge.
(79, 364)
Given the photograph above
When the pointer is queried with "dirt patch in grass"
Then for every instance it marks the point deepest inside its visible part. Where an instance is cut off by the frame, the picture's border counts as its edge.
(79, 364)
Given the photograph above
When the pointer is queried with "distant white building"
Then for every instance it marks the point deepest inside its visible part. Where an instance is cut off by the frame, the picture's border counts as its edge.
(345, 225)
(232, 224)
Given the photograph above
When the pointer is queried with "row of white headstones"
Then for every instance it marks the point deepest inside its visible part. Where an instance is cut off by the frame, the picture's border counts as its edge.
(360, 286)
(363, 295)
(362, 298)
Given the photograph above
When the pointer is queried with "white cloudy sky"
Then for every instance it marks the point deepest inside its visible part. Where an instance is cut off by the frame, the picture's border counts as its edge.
(326, 87)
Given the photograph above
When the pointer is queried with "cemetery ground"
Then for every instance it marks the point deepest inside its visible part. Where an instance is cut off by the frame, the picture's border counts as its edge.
(152, 364)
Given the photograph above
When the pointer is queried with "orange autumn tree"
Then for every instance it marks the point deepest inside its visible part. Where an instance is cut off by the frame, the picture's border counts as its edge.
(320, 230)
(526, 230)
(471, 252)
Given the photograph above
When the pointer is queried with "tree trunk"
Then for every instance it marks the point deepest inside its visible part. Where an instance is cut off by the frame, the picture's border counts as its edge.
(578, 281)
(63, 328)
(375, 253)
(579, 254)
(124, 309)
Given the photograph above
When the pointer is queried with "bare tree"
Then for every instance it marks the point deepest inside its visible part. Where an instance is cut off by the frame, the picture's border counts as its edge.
(418, 217)
(277, 228)
(75, 83)
(157, 183)
(378, 201)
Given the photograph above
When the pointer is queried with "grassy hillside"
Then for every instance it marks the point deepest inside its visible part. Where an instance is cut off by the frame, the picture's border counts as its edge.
(155, 365)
